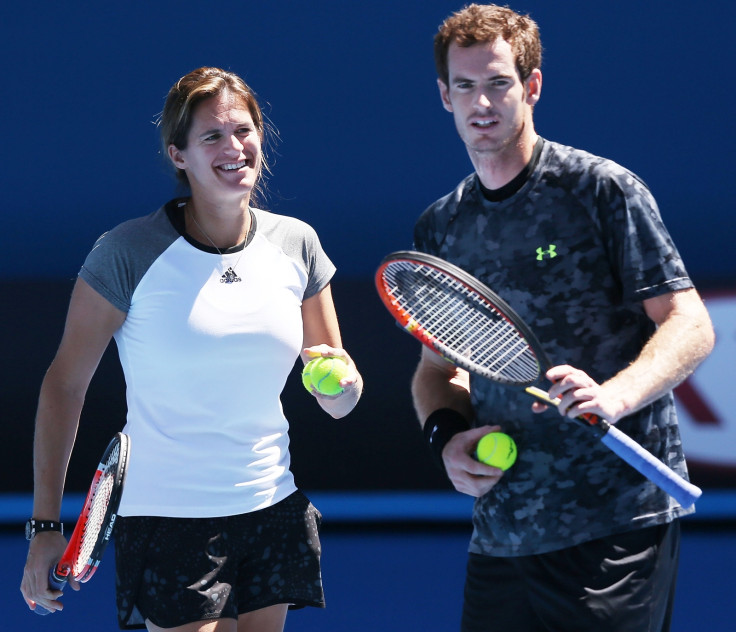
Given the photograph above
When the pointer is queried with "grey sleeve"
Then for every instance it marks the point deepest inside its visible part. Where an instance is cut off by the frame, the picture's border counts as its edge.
(121, 256)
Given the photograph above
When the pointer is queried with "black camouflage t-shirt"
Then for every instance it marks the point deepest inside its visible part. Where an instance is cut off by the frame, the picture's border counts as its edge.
(575, 251)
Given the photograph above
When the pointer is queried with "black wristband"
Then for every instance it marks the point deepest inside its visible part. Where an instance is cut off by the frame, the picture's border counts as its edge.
(441, 426)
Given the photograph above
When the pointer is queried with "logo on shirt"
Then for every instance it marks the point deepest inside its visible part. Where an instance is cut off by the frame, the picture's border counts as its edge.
(230, 276)
(550, 253)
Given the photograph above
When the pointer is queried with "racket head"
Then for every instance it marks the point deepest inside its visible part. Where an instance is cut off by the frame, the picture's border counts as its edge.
(459, 317)
(94, 527)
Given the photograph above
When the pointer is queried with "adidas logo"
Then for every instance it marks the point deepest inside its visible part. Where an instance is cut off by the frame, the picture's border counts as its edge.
(230, 277)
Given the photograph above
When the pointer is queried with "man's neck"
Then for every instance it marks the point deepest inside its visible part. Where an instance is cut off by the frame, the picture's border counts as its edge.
(496, 169)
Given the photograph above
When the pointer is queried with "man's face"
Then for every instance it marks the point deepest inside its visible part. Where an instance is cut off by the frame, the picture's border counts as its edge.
(492, 107)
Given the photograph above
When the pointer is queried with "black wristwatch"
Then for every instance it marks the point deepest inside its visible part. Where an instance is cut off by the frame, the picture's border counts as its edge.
(34, 526)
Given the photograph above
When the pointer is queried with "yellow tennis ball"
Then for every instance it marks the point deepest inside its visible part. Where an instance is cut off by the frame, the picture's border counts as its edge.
(497, 449)
(307, 374)
(326, 374)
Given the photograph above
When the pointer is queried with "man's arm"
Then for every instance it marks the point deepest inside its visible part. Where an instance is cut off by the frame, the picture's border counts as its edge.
(437, 384)
(683, 339)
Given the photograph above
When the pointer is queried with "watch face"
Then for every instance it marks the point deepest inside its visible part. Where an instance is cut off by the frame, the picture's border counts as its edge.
(29, 530)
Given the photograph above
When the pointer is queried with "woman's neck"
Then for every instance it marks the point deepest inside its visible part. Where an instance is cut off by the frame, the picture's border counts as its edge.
(220, 226)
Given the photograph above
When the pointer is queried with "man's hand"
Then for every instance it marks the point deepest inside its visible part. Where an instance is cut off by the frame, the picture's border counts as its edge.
(580, 394)
(468, 475)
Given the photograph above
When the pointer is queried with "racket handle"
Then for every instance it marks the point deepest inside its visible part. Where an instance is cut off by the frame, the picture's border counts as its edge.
(651, 467)
(636, 456)
(57, 582)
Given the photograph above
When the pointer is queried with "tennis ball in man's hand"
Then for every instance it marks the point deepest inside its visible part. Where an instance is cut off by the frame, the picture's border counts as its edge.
(497, 449)
(325, 375)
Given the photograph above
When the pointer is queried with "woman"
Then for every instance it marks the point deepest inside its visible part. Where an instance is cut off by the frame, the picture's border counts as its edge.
(210, 301)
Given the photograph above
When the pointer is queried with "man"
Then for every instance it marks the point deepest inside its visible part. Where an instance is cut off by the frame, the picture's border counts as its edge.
(570, 538)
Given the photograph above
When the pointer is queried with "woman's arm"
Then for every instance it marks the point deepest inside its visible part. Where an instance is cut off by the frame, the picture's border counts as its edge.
(90, 324)
(322, 337)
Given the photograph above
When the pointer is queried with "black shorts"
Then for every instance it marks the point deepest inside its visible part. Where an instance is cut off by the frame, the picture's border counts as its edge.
(174, 571)
(621, 583)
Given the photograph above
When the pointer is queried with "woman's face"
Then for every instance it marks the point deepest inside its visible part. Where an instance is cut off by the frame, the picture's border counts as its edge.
(223, 157)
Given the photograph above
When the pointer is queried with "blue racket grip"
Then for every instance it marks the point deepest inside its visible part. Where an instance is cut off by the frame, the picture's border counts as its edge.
(55, 581)
(651, 467)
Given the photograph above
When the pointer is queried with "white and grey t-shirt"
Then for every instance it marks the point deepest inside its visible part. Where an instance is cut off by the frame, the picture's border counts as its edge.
(205, 360)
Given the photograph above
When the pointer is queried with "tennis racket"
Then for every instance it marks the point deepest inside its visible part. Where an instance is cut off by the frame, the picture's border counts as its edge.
(94, 527)
(463, 320)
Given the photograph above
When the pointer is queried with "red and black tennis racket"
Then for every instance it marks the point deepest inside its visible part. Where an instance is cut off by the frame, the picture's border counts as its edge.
(457, 316)
(94, 527)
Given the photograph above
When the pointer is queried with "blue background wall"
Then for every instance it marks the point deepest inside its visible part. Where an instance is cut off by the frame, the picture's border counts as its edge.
(365, 144)
(365, 147)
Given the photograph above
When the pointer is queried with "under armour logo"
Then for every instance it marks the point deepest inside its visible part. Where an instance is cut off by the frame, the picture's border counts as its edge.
(551, 252)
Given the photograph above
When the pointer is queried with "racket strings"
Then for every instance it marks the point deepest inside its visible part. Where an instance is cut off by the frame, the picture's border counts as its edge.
(97, 510)
(465, 327)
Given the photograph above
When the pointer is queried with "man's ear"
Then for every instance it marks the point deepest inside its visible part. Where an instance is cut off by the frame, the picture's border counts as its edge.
(533, 85)
(444, 95)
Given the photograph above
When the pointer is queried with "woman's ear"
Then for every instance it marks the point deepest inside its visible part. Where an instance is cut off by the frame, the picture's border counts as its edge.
(176, 156)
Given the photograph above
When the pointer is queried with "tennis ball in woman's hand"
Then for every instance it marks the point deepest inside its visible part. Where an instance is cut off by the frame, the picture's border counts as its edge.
(307, 374)
(497, 449)
(324, 374)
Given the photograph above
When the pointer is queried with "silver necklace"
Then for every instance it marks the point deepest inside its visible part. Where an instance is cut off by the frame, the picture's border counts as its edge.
(230, 276)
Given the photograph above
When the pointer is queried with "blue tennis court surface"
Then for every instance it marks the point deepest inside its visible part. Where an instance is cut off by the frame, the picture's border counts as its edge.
(389, 579)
